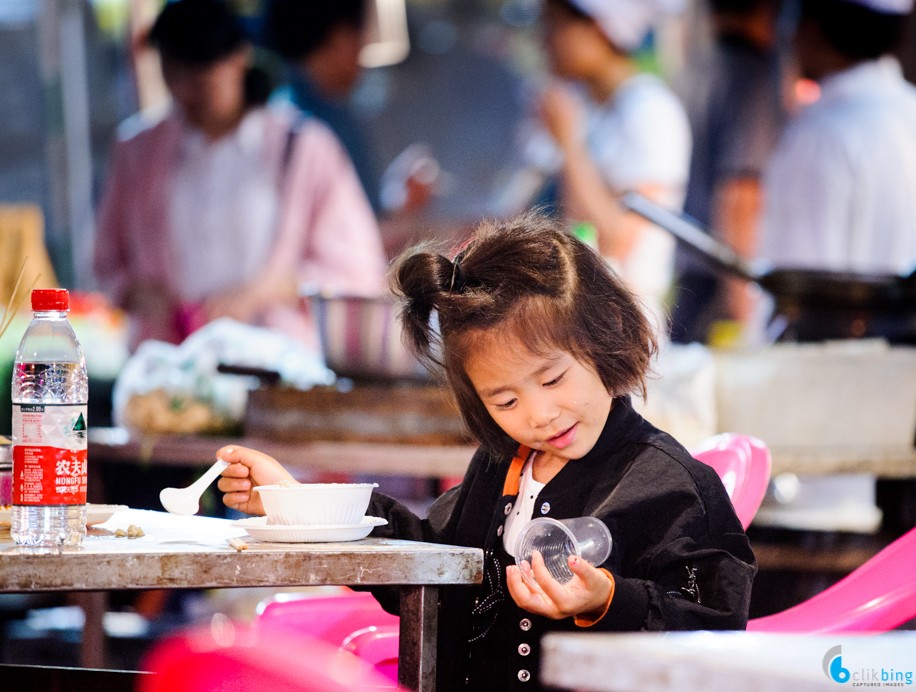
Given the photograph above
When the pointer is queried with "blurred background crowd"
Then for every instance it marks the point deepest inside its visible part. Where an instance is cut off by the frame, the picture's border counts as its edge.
(445, 112)
(174, 163)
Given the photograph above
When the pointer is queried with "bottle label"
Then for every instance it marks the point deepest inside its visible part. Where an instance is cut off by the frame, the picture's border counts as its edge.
(49, 454)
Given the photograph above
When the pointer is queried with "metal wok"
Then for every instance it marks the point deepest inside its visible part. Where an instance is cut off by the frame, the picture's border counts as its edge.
(815, 304)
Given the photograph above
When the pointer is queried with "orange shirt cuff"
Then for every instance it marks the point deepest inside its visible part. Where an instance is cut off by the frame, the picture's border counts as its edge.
(586, 621)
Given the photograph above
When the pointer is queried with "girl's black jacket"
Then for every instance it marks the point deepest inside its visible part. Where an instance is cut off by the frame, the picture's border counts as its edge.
(680, 558)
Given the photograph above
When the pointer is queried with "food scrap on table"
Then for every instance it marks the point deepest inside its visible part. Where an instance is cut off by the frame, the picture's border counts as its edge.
(133, 531)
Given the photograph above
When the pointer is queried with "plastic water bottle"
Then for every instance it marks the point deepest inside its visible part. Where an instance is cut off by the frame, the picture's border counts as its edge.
(50, 393)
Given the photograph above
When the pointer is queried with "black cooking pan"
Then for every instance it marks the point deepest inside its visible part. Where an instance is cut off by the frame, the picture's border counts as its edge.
(817, 303)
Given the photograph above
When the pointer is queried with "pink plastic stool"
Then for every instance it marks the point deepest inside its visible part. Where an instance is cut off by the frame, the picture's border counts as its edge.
(330, 617)
(875, 597)
(240, 659)
(377, 646)
(744, 464)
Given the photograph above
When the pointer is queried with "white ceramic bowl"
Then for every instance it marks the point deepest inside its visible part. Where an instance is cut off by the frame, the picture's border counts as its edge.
(311, 504)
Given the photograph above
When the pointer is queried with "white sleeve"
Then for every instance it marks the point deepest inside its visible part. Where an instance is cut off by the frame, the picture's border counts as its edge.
(650, 143)
(809, 190)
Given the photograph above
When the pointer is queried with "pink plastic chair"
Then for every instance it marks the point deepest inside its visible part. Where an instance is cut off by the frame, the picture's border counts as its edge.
(330, 617)
(207, 660)
(377, 646)
(744, 464)
(875, 597)
(351, 620)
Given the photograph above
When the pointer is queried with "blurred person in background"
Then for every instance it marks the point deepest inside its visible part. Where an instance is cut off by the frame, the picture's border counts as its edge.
(224, 207)
(737, 95)
(840, 192)
(605, 128)
(321, 43)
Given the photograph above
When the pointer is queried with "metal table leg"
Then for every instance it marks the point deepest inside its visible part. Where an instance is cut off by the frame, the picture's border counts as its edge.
(418, 632)
(94, 605)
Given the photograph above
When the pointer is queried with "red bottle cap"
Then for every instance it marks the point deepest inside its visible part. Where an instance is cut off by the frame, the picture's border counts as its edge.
(50, 299)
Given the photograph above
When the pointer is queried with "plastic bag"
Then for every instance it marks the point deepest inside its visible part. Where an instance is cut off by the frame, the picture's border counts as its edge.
(681, 398)
(164, 388)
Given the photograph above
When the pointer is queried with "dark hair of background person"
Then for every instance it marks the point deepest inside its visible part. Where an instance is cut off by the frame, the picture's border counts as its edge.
(737, 6)
(573, 10)
(855, 31)
(295, 28)
(521, 279)
(199, 33)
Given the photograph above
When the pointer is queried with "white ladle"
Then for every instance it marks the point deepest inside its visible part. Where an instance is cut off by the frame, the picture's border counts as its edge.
(186, 501)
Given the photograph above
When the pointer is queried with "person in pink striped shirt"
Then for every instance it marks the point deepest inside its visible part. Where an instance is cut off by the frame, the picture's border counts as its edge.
(224, 207)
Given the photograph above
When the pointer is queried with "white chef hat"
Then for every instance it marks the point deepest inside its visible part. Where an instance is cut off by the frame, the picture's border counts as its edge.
(626, 22)
(886, 6)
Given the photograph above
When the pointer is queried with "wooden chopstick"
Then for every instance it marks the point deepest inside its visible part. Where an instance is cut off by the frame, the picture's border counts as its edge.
(238, 544)
(11, 309)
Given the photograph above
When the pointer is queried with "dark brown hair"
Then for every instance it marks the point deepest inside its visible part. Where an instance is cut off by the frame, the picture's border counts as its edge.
(197, 32)
(856, 31)
(521, 279)
(297, 28)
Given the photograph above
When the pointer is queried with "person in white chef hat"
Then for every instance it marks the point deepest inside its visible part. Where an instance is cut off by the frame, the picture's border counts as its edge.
(839, 194)
(604, 128)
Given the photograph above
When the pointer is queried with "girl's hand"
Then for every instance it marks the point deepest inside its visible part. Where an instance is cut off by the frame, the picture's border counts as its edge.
(248, 468)
(587, 592)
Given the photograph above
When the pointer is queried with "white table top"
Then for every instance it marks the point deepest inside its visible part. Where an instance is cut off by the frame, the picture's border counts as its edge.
(193, 552)
(723, 661)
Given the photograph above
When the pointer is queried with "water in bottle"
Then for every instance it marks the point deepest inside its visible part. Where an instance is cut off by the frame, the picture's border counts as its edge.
(50, 392)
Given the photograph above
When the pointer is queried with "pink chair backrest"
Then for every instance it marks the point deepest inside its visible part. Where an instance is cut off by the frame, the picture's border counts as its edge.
(377, 646)
(326, 616)
(744, 464)
(199, 661)
(877, 596)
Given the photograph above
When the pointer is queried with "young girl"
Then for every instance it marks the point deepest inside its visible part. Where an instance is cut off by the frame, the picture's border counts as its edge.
(541, 347)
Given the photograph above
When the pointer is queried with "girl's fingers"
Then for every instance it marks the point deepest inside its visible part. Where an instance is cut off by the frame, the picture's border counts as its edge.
(534, 589)
(233, 485)
(235, 500)
(521, 590)
(549, 586)
(583, 593)
(229, 453)
(261, 468)
(244, 455)
(514, 582)
(235, 470)
(580, 568)
(527, 593)
(592, 577)
(597, 586)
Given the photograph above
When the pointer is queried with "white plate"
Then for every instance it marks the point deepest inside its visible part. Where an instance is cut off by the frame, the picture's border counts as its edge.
(257, 527)
(95, 514)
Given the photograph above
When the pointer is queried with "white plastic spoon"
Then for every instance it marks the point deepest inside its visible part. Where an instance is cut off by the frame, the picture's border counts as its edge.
(186, 501)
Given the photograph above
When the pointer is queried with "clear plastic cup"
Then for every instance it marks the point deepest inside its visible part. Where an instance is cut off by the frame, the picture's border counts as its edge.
(556, 540)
